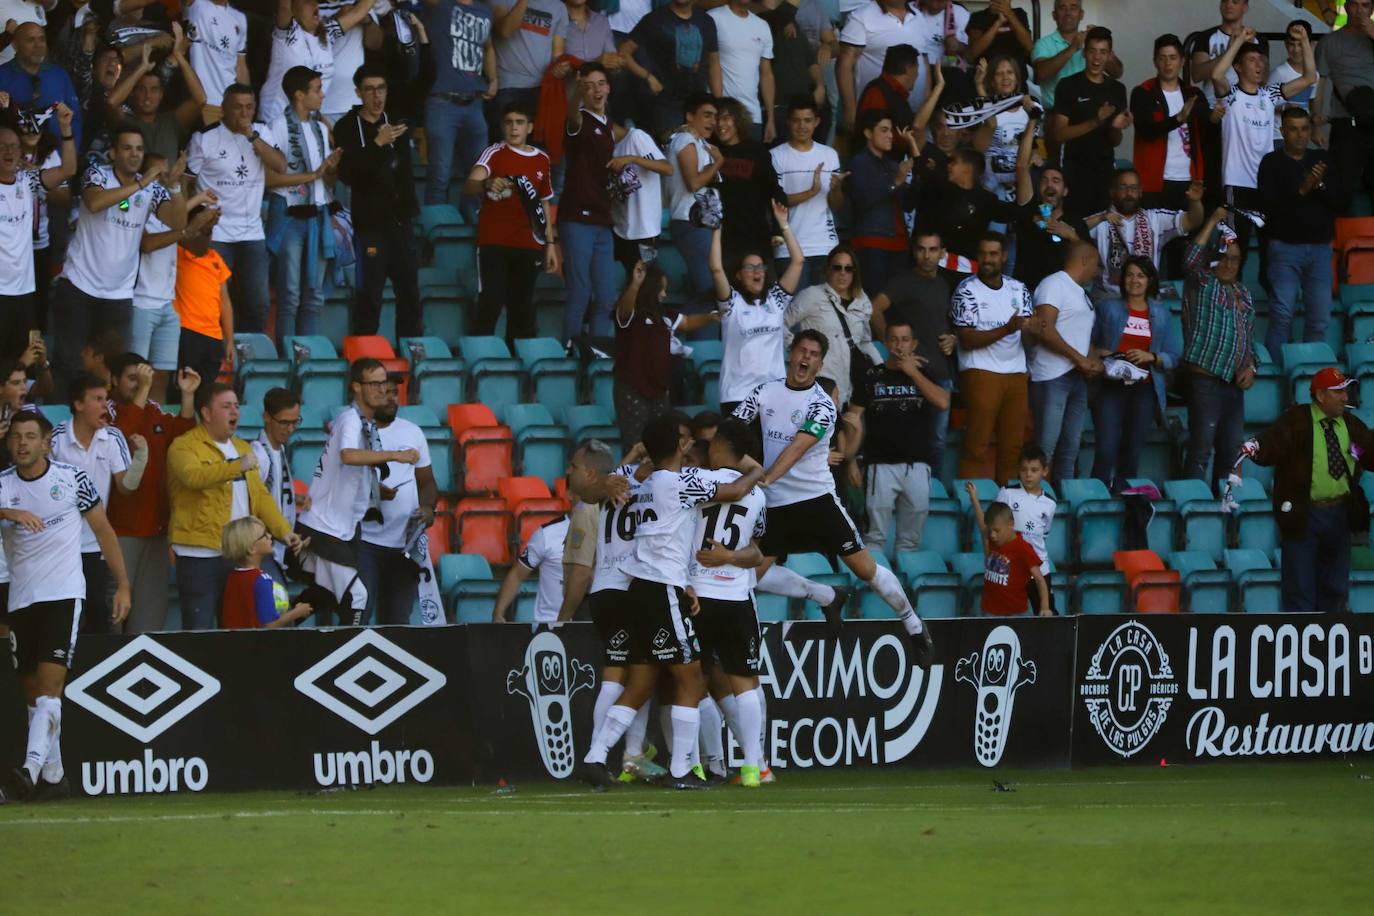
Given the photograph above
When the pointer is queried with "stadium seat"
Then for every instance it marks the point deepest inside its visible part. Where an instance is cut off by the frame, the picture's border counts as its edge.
(1301, 361)
(307, 444)
(1362, 591)
(468, 587)
(484, 448)
(260, 368)
(601, 382)
(934, 590)
(590, 421)
(444, 314)
(706, 356)
(1254, 515)
(494, 377)
(483, 526)
(771, 608)
(1268, 395)
(250, 421)
(969, 568)
(944, 523)
(1100, 593)
(321, 377)
(987, 493)
(437, 378)
(1061, 591)
(1359, 359)
(1257, 583)
(440, 533)
(1159, 533)
(530, 503)
(1152, 588)
(553, 377)
(541, 444)
(1206, 589)
(1204, 522)
(1097, 520)
(1354, 248)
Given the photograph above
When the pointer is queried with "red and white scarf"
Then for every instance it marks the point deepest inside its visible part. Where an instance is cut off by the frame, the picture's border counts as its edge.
(1142, 245)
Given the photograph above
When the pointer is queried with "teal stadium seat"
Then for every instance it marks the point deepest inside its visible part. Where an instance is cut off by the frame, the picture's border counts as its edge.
(250, 421)
(1257, 583)
(1100, 593)
(1204, 522)
(816, 567)
(260, 369)
(1097, 520)
(495, 378)
(468, 588)
(541, 444)
(944, 524)
(1206, 589)
(591, 421)
(706, 356)
(437, 377)
(553, 377)
(935, 591)
(1301, 361)
(320, 376)
(969, 568)
(1268, 396)
(1255, 527)
(438, 438)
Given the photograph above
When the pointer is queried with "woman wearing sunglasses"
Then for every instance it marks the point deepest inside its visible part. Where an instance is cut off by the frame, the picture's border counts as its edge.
(840, 309)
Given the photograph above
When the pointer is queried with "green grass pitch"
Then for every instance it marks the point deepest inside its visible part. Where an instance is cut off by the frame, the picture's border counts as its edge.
(1222, 839)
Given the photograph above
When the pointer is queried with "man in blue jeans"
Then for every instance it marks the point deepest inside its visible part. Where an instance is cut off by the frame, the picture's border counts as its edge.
(584, 213)
(1301, 197)
(300, 235)
(464, 76)
(1062, 359)
(1318, 452)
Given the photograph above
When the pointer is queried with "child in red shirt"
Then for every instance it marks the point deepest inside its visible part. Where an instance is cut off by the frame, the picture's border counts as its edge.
(252, 598)
(1011, 563)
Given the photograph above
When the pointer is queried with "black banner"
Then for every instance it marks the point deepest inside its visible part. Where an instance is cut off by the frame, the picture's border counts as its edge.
(1200, 688)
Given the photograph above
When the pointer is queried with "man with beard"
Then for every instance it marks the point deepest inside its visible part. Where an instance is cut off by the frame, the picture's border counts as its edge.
(1045, 229)
(1124, 229)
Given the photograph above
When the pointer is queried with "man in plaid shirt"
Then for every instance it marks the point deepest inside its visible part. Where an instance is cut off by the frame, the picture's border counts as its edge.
(1218, 348)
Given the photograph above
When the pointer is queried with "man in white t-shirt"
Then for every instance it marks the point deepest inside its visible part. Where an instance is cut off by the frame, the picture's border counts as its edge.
(232, 159)
(300, 234)
(1125, 229)
(96, 288)
(809, 174)
(1061, 361)
(23, 193)
(339, 96)
(746, 62)
(91, 442)
(1247, 111)
(219, 45)
(346, 490)
(46, 506)
(408, 491)
(281, 417)
(639, 168)
(989, 311)
(305, 37)
(542, 554)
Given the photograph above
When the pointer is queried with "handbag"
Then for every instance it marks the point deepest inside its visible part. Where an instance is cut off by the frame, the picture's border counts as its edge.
(859, 361)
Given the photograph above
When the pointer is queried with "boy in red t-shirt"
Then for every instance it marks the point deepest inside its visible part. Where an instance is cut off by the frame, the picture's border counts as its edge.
(252, 598)
(1011, 563)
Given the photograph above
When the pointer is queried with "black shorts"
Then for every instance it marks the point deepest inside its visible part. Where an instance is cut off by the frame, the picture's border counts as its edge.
(660, 631)
(818, 525)
(44, 632)
(730, 635)
(608, 613)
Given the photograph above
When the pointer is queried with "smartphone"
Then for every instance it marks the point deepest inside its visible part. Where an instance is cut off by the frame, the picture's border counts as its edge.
(35, 336)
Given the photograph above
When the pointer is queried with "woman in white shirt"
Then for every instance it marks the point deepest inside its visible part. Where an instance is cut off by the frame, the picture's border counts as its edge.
(1000, 137)
(304, 38)
(824, 306)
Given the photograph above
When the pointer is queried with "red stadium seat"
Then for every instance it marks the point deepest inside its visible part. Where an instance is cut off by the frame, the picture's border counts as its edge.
(484, 527)
(483, 449)
(530, 504)
(1354, 245)
(1153, 588)
(441, 532)
(515, 490)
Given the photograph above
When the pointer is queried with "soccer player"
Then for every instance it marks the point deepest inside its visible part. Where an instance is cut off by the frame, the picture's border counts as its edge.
(659, 632)
(721, 577)
(543, 554)
(41, 525)
(805, 514)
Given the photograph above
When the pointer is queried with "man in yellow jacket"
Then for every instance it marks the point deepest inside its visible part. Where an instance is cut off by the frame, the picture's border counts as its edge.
(212, 479)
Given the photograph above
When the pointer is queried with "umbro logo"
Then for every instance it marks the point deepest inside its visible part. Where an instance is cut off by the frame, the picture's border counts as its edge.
(143, 689)
(370, 682)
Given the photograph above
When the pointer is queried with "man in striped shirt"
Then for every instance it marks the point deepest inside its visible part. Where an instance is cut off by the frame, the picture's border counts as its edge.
(1218, 348)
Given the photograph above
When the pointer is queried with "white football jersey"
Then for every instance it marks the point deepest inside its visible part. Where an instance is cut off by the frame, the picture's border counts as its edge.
(731, 525)
(782, 412)
(46, 565)
(1033, 516)
(543, 553)
(752, 336)
(665, 522)
(339, 492)
(615, 541)
(107, 456)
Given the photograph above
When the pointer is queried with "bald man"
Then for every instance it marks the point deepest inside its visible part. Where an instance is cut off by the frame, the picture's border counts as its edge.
(33, 82)
(1061, 360)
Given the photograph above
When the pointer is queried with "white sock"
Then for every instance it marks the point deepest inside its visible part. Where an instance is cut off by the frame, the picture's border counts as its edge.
(763, 727)
(609, 693)
(42, 729)
(53, 770)
(779, 580)
(665, 725)
(751, 727)
(890, 588)
(712, 743)
(634, 738)
(729, 709)
(686, 726)
(618, 719)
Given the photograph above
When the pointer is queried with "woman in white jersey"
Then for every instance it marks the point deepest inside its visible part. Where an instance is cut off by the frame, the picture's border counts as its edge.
(752, 316)
(1000, 137)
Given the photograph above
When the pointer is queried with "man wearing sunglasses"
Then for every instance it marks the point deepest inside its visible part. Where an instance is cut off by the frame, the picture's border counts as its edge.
(281, 417)
(346, 491)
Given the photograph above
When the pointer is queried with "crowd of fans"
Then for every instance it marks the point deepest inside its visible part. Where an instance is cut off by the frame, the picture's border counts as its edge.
(938, 193)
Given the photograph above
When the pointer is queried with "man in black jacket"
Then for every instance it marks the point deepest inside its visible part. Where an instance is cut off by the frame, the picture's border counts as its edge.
(1317, 451)
(376, 166)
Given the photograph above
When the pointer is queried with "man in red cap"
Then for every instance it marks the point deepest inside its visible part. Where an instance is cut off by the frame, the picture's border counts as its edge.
(1318, 452)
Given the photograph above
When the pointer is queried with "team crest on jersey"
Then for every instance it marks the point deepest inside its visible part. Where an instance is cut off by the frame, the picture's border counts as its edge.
(56, 491)
(797, 417)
